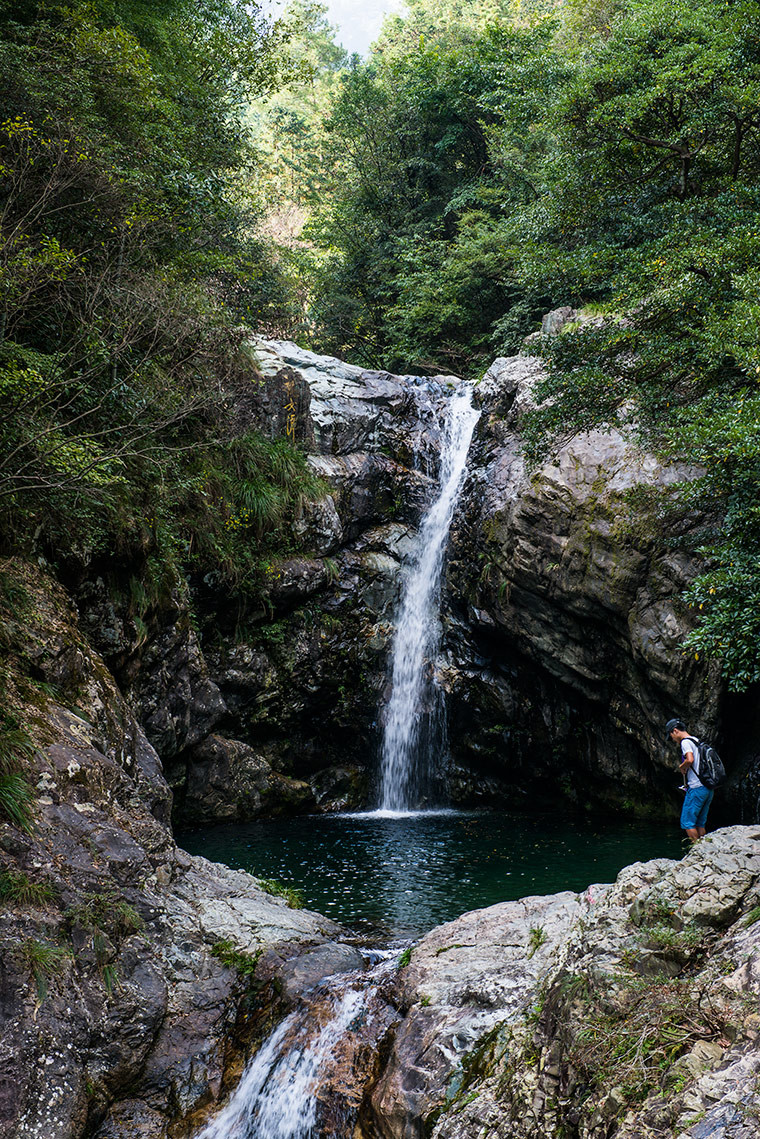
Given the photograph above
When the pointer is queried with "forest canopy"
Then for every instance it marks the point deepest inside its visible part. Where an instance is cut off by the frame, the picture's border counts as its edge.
(172, 171)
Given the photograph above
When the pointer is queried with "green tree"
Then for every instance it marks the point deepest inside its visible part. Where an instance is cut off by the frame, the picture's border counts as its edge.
(127, 261)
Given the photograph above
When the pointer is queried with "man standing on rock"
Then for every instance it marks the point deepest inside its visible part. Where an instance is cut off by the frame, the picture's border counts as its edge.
(698, 798)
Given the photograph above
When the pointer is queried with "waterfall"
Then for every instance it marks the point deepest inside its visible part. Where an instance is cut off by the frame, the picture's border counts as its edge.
(414, 722)
(276, 1097)
(308, 1077)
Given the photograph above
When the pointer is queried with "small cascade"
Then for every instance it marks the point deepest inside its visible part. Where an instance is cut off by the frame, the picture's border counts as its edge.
(308, 1078)
(414, 723)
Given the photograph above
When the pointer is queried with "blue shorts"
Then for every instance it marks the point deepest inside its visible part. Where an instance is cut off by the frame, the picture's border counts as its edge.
(696, 804)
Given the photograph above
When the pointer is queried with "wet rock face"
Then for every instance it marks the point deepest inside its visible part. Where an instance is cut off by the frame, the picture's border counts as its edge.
(626, 1012)
(566, 635)
(281, 716)
(127, 993)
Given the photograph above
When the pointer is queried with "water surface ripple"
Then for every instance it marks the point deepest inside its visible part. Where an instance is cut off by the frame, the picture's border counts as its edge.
(403, 875)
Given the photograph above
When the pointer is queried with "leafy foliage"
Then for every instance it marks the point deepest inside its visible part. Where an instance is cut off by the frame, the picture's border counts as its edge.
(128, 260)
(492, 161)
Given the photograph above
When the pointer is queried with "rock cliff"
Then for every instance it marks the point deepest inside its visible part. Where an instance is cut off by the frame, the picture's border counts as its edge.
(628, 1011)
(127, 997)
(565, 652)
(279, 713)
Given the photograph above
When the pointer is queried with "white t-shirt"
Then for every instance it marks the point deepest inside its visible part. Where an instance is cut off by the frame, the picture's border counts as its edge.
(690, 745)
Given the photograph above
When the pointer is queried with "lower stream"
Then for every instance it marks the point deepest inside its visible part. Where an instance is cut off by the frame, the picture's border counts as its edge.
(397, 877)
(394, 878)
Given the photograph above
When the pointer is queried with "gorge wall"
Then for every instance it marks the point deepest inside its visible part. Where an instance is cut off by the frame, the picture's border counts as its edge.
(562, 654)
(563, 647)
(134, 980)
(127, 995)
(566, 652)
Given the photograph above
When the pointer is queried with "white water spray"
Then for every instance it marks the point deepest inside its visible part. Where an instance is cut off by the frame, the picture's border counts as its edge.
(276, 1098)
(411, 743)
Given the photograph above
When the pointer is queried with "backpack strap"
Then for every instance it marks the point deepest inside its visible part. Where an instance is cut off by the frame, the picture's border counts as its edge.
(697, 755)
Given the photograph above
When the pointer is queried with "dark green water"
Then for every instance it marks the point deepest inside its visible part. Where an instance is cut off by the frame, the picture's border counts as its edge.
(402, 876)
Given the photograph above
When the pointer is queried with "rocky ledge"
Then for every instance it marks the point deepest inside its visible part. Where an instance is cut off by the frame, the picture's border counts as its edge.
(628, 1011)
(128, 999)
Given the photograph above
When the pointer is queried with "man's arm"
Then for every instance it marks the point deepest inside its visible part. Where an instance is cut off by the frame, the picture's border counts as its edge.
(686, 762)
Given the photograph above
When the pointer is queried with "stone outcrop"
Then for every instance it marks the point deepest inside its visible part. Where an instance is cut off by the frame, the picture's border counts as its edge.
(565, 648)
(244, 718)
(562, 654)
(627, 1012)
(127, 989)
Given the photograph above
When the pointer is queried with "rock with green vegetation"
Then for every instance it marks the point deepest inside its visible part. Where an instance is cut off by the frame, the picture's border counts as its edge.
(119, 1012)
(460, 983)
(628, 1011)
(247, 702)
(573, 639)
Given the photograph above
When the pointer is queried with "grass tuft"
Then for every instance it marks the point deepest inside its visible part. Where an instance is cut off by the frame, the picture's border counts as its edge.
(277, 889)
(43, 961)
(17, 887)
(16, 800)
(244, 963)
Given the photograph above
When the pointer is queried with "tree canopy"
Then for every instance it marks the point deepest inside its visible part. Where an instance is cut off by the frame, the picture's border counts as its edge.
(170, 171)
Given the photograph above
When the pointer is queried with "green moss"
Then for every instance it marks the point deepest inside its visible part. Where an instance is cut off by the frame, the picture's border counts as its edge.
(475, 1066)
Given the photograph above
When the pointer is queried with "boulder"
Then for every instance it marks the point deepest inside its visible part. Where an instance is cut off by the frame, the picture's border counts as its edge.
(226, 780)
(539, 1018)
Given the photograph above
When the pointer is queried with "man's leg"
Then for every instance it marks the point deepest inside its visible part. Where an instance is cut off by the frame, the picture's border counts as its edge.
(689, 816)
(694, 812)
(701, 819)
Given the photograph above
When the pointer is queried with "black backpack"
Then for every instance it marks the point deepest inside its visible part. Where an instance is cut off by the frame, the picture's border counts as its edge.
(711, 770)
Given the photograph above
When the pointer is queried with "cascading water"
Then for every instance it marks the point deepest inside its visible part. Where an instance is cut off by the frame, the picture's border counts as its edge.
(414, 724)
(306, 1079)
